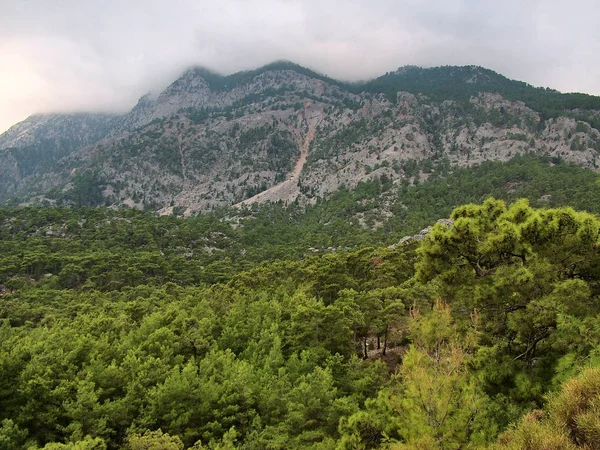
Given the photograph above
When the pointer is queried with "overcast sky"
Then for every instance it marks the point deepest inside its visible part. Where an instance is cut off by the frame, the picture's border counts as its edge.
(102, 55)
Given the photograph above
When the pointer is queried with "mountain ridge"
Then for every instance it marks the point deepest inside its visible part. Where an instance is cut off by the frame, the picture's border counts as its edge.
(218, 81)
(209, 140)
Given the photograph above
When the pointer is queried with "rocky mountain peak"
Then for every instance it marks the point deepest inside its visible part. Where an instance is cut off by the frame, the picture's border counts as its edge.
(200, 89)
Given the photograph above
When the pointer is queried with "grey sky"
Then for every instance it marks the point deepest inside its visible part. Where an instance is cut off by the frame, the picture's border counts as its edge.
(102, 55)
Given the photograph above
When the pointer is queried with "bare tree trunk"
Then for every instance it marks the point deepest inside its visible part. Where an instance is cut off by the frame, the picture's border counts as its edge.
(385, 338)
(365, 347)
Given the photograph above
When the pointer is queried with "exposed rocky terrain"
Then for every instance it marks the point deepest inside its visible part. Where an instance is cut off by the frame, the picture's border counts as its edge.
(32, 147)
(283, 133)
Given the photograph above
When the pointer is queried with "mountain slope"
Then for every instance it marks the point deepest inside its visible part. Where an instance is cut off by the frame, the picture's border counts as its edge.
(461, 83)
(31, 147)
(285, 133)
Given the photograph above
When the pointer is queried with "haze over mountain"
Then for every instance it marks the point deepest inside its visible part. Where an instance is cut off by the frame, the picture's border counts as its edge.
(285, 133)
(72, 56)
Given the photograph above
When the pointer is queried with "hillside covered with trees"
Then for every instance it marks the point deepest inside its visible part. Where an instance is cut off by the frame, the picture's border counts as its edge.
(289, 328)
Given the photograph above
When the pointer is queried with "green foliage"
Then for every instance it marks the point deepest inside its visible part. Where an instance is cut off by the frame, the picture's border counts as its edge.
(461, 83)
(271, 355)
(86, 190)
(523, 177)
(11, 436)
(118, 330)
(526, 272)
(433, 400)
(153, 440)
(571, 422)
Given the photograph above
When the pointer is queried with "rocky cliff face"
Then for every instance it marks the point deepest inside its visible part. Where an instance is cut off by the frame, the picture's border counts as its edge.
(283, 133)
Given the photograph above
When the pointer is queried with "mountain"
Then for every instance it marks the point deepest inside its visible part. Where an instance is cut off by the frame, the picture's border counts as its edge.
(285, 133)
(320, 324)
(32, 147)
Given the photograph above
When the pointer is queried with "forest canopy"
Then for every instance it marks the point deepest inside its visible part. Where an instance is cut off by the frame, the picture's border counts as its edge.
(114, 333)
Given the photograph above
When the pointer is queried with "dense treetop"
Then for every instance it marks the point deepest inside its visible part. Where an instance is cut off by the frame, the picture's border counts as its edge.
(442, 344)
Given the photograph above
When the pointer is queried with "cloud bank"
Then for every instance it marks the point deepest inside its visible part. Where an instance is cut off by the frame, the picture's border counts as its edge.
(74, 55)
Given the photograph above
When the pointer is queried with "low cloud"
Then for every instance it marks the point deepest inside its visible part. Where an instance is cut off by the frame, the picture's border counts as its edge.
(69, 55)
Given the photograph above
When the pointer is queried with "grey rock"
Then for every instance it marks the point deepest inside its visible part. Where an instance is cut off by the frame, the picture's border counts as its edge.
(423, 233)
(278, 134)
